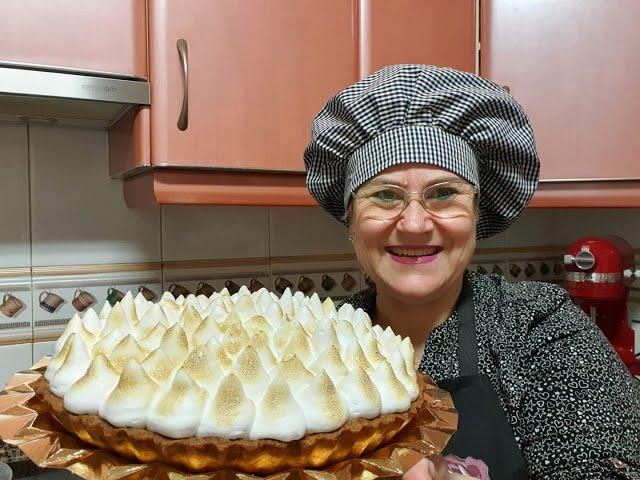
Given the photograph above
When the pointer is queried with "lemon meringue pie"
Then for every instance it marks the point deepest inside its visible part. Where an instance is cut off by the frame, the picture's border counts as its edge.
(241, 370)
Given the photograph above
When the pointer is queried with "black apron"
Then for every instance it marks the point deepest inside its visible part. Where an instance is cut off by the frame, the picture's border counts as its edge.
(483, 431)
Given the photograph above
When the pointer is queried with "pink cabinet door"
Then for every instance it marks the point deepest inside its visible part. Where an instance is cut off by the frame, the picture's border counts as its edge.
(258, 72)
(434, 32)
(104, 36)
(574, 67)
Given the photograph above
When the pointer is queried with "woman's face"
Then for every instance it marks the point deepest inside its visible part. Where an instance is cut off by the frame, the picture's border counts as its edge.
(415, 257)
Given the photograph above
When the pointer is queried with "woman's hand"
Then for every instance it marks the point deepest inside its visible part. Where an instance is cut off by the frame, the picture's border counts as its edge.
(437, 468)
(426, 469)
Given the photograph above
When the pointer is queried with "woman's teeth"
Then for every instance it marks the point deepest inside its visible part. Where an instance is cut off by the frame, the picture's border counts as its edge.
(412, 252)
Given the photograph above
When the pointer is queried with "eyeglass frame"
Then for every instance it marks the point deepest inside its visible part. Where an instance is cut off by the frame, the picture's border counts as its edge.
(419, 196)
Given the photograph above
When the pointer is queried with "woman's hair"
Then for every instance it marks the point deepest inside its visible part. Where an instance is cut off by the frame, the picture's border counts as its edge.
(346, 218)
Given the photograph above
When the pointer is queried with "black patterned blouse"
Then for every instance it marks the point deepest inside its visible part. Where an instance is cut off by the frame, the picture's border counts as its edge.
(573, 406)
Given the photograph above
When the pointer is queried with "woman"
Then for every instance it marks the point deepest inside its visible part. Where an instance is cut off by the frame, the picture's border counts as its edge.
(539, 391)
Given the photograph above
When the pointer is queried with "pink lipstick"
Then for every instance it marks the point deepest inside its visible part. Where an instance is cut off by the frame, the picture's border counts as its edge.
(413, 254)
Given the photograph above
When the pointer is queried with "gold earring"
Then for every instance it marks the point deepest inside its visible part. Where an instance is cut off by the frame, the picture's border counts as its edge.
(350, 237)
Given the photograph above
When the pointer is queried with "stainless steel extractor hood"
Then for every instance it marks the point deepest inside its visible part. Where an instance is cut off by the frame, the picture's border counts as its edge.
(36, 92)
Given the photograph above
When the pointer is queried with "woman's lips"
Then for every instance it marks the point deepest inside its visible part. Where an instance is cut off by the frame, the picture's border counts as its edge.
(413, 255)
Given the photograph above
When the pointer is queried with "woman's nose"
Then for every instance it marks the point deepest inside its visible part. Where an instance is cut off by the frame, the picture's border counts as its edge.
(414, 218)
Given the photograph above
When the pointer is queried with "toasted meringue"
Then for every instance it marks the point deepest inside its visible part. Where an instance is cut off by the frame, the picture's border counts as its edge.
(400, 369)
(354, 357)
(201, 365)
(346, 335)
(175, 344)
(148, 321)
(329, 309)
(129, 308)
(141, 305)
(248, 368)
(275, 315)
(190, 320)
(73, 367)
(286, 303)
(59, 357)
(345, 312)
(87, 394)
(160, 367)
(262, 300)
(294, 372)
(298, 345)
(128, 404)
(75, 325)
(260, 342)
(258, 323)
(126, 349)
(229, 413)
(323, 337)
(172, 310)
(235, 336)
(208, 329)
(371, 349)
(324, 408)
(118, 320)
(408, 353)
(105, 311)
(248, 365)
(108, 343)
(299, 300)
(359, 315)
(305, 318)
(315, 306)
(244, 307)
(278, 415)
(176, 413)
(153, 339)
(331, 362)
(220, 355)
(92, 322)
(393, 394)
(361, 394)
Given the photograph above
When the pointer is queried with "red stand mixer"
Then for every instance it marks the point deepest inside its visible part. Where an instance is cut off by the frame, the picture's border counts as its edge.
(599, 271)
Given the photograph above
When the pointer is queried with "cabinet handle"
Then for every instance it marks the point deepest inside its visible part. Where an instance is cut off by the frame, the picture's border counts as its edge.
(183, 120)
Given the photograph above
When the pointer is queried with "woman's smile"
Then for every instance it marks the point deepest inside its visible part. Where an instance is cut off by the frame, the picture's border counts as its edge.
(413, 254)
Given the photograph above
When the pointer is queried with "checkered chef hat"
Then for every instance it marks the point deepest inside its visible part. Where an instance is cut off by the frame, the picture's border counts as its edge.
(425, 114)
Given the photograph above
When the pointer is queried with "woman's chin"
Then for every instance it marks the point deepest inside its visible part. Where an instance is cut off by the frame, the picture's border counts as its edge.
(411, 290)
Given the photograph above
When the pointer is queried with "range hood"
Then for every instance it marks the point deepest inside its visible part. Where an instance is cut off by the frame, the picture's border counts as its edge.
(43, 92)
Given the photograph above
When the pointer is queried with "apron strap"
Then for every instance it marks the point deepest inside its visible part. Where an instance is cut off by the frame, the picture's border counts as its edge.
(467, 344)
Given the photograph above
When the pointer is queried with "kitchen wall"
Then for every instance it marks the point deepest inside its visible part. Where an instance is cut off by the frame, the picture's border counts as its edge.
(64, 227)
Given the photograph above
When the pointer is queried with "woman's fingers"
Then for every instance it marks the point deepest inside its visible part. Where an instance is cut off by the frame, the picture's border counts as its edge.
(423, 470)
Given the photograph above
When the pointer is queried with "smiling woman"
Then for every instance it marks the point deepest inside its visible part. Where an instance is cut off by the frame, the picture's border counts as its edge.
(415, 252)
(539, 391)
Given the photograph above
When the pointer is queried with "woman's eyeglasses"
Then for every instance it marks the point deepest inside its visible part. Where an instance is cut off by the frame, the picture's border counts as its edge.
(442, 200)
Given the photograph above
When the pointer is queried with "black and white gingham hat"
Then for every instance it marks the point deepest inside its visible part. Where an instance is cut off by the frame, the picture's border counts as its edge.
(425, 114)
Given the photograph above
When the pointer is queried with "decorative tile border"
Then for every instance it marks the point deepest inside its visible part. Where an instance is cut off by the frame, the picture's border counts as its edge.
(15, 272)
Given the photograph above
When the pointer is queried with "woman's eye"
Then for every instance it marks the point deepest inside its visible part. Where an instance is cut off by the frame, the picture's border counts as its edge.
(386, 196)
(443, 193)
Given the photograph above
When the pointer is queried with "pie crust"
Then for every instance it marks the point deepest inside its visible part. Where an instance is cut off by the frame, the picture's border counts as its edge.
(352, 440)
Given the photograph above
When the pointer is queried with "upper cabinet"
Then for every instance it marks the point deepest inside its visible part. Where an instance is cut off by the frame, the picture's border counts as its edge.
(572, 66)
(105, 36)
(236, 85)
(435, 32)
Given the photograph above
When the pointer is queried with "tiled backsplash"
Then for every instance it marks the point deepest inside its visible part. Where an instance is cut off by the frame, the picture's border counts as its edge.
(65, 227)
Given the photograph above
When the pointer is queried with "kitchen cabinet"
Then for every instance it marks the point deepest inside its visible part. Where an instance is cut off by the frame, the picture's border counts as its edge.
(108, 37)
(236, 85)
(257, 73)
(435, 32)
(573, 66)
